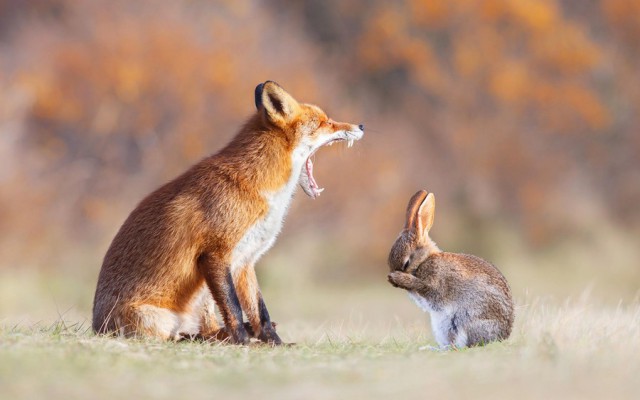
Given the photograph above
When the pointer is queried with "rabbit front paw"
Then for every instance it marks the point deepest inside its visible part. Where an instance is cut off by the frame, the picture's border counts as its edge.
(401, 280)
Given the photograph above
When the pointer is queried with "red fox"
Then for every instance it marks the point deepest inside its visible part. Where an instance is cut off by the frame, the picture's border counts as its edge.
(194, 242)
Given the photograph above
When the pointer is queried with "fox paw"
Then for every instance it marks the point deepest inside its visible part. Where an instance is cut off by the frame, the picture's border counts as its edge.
(268, 335)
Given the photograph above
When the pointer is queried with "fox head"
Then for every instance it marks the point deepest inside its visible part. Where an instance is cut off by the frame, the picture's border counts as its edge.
(306, 126)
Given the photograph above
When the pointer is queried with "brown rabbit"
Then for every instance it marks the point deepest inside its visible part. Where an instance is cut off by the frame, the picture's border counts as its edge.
(468, 299)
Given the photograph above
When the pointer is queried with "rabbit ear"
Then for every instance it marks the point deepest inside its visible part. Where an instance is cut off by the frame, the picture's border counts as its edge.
(412, 209)
(426, 212)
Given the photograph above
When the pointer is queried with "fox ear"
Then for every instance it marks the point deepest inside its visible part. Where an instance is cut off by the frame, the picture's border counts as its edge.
(426, 213)
(257, 96)
(412, 209)
(278, 105)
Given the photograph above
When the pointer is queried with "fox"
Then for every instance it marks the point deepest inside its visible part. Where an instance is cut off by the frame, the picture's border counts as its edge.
(193, 243)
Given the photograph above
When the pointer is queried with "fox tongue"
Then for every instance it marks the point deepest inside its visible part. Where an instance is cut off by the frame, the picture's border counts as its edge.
(312, 182)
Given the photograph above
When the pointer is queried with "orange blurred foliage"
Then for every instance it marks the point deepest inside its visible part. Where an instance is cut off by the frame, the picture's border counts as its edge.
(503, 107)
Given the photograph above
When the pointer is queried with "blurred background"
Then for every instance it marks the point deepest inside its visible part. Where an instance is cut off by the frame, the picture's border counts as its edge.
(523, 116)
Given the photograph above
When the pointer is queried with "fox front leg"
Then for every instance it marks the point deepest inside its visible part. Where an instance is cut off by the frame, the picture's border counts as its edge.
(220, 282)
(254, 307)
(404, 281)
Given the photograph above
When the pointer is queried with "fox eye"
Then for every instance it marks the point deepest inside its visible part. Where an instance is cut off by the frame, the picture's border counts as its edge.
(326, 123)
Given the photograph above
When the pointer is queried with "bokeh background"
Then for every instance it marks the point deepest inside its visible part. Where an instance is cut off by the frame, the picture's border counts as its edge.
(523, 116)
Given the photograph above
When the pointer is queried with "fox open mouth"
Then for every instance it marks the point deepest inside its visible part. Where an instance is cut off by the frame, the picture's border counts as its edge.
(307, 181)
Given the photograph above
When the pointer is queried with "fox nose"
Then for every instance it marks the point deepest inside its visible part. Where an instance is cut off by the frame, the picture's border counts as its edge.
(361, 126)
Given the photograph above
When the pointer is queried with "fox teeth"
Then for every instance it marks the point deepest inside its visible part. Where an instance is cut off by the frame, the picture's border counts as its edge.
(319, 190)
(350, 143)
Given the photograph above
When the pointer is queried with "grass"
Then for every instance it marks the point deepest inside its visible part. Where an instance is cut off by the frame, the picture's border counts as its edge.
(354, 340)
(570, 350)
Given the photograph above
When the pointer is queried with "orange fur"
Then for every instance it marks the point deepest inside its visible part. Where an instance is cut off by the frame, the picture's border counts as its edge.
(248, 291)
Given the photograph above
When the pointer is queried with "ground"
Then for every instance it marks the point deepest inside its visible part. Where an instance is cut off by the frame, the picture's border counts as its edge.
(361, 342)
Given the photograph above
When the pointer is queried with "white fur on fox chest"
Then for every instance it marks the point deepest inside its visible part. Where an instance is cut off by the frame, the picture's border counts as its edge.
(262, 235)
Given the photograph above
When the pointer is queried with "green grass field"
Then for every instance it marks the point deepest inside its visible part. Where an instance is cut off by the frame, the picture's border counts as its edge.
(351, 343)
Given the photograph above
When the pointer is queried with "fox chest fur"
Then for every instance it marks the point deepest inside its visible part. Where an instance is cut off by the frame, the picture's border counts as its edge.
(263, 233)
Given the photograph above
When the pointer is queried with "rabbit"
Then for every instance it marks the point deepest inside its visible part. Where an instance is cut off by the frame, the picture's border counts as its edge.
(468, 299)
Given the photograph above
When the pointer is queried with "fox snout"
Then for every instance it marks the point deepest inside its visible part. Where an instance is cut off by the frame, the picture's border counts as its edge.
(354, 134)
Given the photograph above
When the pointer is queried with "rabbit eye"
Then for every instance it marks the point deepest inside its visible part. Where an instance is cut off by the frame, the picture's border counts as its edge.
(405, 265)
